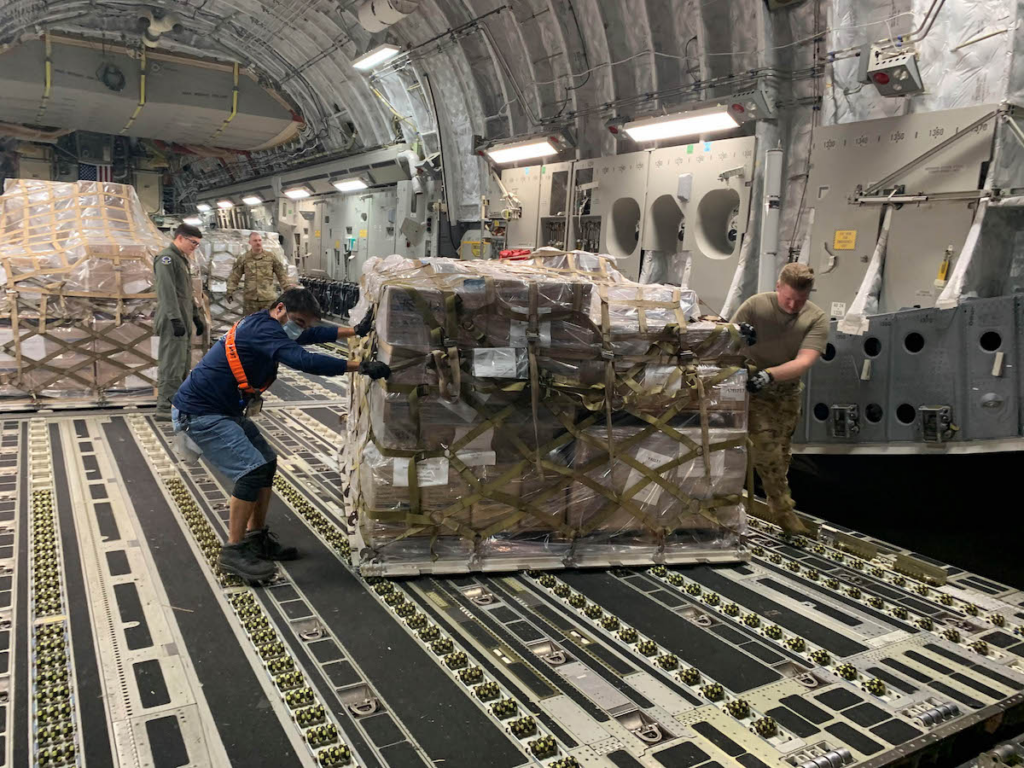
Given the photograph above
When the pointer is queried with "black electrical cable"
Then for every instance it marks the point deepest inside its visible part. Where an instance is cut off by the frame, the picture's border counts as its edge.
(583, 45)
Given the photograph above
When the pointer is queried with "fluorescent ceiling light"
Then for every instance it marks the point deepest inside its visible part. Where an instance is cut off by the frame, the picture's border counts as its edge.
(252, 200)
(193, 221)
(684, 124)
(202, 207)
(349, 185)
(527, 150)
(377, 56)
(225, 204)
(298, 193)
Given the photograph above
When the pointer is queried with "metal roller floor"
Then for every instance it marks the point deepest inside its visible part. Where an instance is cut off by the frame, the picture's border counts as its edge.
(119, 645)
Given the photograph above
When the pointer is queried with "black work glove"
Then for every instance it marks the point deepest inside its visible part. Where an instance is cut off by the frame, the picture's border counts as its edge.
(375, 369)
(229, 299)
(179, 327)
(759, 380)
(748, 332)
(200, 327)
(365, 325)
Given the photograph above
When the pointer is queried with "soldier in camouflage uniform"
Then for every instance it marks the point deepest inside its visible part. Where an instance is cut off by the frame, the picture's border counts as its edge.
(259, 268)
(791, 334)
(176, 313)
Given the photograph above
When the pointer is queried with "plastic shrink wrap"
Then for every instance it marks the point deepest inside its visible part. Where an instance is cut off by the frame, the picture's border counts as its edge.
(216, 257)
(542, 414)
(76, 312)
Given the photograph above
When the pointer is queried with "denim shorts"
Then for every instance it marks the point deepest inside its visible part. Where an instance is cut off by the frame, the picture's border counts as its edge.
(233, 445)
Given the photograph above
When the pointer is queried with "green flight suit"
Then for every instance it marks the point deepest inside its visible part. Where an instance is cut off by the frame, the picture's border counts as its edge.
(259, 271)
(174, 302)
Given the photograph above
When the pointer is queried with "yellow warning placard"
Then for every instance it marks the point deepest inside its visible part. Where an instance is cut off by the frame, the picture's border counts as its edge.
(317, 233)
(362, 233)
(846, 240)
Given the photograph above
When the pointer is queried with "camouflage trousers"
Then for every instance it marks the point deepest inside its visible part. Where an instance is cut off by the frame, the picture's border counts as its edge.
(248, 307)
(774, 414)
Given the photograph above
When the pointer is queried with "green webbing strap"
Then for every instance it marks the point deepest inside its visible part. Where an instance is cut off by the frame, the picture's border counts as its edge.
(749, 499)
(608, 353)
(414, 486)
(533, 343)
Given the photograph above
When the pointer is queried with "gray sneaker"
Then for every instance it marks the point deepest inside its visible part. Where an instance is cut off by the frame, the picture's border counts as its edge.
(239, 559)
(265, 546)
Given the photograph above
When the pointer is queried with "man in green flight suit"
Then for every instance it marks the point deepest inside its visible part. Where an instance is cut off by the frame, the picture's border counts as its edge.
(176, 308)
(259, 268)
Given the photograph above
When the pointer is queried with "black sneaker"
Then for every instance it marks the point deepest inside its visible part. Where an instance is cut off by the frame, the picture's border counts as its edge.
(264, 545)
(239, 559)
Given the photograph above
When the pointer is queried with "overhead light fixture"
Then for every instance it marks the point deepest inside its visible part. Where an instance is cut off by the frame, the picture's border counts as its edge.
(684, 124)
(377, 56)
(225, 204)
(202, 207)
(524, 150)
(193, 221)
(298, 193)
(349, 185)
(252, 200)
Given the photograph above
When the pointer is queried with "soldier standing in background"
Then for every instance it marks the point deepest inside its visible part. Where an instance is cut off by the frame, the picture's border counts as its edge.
(791, 334)
(259, 268)
(175, 313)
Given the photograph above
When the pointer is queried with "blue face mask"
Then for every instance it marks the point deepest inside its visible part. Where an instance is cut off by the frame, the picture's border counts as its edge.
(293, 329)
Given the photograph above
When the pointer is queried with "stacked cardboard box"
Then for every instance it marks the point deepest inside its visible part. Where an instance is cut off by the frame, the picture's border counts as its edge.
(216, 258)
(542, 414)
(77, 299)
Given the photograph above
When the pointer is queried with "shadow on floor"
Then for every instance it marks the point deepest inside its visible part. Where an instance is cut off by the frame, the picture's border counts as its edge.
(962, 510)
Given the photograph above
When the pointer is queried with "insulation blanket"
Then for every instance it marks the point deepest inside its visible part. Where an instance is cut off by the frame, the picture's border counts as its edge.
(542, 413)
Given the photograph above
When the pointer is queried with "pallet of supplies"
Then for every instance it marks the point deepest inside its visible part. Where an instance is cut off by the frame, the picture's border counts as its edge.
(216, 256)
(544, 413)
(78, 299)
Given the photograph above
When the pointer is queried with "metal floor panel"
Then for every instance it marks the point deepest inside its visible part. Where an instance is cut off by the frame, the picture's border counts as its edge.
(121, 645)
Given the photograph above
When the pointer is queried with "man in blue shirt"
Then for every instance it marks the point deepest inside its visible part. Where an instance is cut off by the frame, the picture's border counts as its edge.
(213, 407)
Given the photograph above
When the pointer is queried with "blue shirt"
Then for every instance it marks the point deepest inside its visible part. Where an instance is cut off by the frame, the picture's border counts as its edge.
(261, 343)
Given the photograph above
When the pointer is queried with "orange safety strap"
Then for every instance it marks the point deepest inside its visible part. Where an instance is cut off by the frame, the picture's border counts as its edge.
(235, 363)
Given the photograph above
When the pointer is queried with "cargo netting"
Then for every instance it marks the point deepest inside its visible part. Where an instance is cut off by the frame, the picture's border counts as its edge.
(76, 313)
(542, 414)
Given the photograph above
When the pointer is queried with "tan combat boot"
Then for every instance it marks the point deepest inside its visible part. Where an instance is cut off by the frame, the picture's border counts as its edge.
(791, 524)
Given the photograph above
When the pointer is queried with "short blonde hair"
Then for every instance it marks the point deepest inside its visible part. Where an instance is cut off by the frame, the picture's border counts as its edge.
(797, 276)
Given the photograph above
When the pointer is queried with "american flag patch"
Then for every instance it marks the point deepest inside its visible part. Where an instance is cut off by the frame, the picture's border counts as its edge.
(101, 173)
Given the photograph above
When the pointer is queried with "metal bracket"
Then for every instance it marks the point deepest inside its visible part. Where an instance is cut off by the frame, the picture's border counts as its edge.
(845, 423)
(739, 171)
(878, 186)
(937, 423)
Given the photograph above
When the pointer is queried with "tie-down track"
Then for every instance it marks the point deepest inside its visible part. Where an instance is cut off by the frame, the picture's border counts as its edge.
(121, 645)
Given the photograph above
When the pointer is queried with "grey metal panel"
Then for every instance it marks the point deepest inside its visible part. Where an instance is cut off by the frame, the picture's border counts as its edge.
(619, 199)
(934, 376)
(553, 207)
(383, 226)
(843, 380)
(918, 240)
(715, 207)
(525, 184)
(185, 102)
(861, 153)
(992, 403)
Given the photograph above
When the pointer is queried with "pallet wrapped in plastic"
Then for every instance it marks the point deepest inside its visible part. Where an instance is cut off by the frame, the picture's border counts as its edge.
(216, 256)
(542, 414)
(78, 299)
